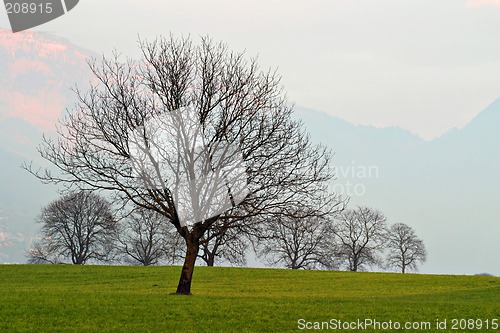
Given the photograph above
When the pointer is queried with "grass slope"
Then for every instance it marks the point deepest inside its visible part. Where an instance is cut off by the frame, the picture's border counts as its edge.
(64, 298)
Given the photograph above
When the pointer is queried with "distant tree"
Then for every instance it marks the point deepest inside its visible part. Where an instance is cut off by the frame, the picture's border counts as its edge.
(146, 239)
(405, 249)
(225, 240)
(293, 242)
(115, 140)
(78, 226)
(38, 254)
(357, 237)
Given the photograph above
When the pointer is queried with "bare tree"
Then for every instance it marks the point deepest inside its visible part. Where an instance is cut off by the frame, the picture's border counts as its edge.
(138, 133)
(79, 226)
(38, 254)
(405, 249)
(294, 242)
(358, 237)
(145, 238)
(226, 240)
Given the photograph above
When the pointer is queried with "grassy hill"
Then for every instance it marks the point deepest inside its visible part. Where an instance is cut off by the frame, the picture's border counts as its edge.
(64, 298)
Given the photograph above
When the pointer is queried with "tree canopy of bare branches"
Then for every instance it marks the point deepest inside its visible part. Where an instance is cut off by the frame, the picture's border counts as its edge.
(226, 240)
(146, 239)
(358, 237)
(296, 243)
(405, 249)
(79, 226)
(213, 98)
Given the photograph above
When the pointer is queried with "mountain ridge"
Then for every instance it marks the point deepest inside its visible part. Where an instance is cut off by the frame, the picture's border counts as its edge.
(36, 74)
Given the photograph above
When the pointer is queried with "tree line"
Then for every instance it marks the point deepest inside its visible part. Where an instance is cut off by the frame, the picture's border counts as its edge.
(192, 152)
(81, 227)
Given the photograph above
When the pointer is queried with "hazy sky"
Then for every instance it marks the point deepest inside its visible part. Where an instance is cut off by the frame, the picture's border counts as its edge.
(426, 66)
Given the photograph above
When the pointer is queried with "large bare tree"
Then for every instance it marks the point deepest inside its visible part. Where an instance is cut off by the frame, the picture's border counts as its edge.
(79, 226)
(137, 132)
(357, 237)
(405, 249)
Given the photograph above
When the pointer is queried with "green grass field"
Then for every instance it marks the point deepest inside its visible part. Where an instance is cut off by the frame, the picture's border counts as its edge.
(65, 298)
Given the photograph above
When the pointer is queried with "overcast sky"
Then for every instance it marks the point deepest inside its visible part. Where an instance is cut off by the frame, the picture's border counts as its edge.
(423, 65)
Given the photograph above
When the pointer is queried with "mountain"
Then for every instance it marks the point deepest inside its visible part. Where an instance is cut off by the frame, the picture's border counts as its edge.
(37, 71)
(482, 129)
(447, 189)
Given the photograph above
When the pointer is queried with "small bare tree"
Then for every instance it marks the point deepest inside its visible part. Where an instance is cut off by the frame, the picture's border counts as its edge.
(226, 240)
(79, 226)
(146, 239)
(38, 254)
(357, 237)
(293, 242)
(405, 249)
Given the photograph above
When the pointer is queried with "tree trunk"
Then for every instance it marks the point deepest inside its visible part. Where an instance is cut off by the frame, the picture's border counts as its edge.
(207, 256)
(193, 245)
(354, 266)
(210, 260)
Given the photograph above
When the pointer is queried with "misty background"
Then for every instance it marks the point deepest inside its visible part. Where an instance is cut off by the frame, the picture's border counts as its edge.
(405, 94)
